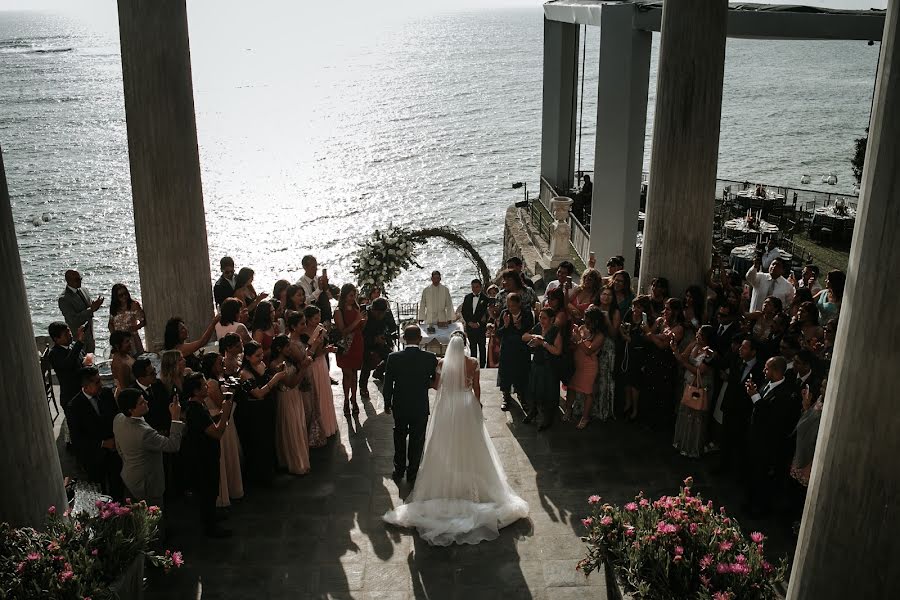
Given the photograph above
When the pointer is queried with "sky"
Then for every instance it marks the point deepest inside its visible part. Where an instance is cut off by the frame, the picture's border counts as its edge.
(416, 5)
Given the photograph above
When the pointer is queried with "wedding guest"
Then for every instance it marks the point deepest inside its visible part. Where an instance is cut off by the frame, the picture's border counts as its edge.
(319, 291)
(564, 273)
(244, 291)
(694, 303)
(201, 449)
(77, 308)
(513, 284)
(66, 359)
(806, 323)
(809, 280)
(621, 284)
(515, 357)
(661, 371)
(126, 314)
(122, 359)
(585, 293)
(226, 284)
(492, 291)
(659, 293)
(829, 300)
(231, 348)
(737, 408)
(256, 418)
(141, 448)
(614, 265)
(605, 301)
(317, 341)
(474, 315)
(435, 307)
(637, 349)
(154, 392)
(545, 343)
(279, 301)
(264, 329)
(301, 355)
(604, 394)
(379, 337)
(175, 337)
(172, 367)
(515, 263)
(807, 432)
(764, 319)
(768, 284)
(802, 295)
(90, 417)
(229, 320)
(295, 299)
(231, 483)
(350, 322)
(291, 440)
(589, 339)
(772, 252)
(691, 424)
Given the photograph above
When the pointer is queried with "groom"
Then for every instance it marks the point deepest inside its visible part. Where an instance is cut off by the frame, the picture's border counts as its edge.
(408, 375)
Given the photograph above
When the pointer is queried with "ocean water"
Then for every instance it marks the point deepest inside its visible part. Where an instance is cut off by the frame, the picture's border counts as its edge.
(313, 132)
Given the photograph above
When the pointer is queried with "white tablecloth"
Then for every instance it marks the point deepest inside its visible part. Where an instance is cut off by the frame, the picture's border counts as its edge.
(740, 224)
(441, 335)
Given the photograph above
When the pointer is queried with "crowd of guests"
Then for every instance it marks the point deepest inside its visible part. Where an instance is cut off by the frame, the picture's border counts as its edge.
(209, 418)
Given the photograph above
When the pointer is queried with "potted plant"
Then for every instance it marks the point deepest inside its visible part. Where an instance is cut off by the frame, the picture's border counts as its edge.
(677, 547)
(97, 555)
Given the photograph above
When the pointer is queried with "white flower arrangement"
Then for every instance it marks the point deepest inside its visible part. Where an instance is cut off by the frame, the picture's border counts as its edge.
(382, 257)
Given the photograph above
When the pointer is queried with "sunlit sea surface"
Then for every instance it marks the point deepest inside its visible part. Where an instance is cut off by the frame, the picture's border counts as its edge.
(313, 132)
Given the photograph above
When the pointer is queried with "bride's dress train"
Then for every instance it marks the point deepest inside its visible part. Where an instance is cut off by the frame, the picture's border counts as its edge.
(461, 494)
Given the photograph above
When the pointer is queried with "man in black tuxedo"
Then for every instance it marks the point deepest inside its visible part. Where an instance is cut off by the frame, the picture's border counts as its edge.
(737, 408)
(474, 314)
(408, 375)
(224, 287)
(66, 358)
(774, 417)
(91, 414)
(152, 389)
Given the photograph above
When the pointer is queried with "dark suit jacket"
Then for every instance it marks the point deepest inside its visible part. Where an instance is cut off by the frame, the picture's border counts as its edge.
(77, 312)
(66, 362)
(479, 315)
(736, 401)
(408, 375)
(774, 418)
(158, 400)
(88, 429)
(222, 290)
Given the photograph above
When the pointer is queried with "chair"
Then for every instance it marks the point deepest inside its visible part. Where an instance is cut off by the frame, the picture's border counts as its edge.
(406, 313)
(47, 376)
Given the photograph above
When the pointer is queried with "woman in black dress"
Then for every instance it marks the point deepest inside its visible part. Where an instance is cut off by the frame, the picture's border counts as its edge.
(634, 354)
(200, 449)
(543, 390)
(515, 357)
(257, 416)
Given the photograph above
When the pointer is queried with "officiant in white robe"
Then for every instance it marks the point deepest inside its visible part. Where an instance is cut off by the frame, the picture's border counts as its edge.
(436, 307)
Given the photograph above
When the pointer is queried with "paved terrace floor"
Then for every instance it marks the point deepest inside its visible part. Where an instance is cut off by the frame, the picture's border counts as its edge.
(321, 536)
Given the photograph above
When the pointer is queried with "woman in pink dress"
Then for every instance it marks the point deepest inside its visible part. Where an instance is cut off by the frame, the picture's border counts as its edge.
(291, 442)
(588, 340)
(231, 485)
(321, 381)
(127, 315)
(350, 322)
(300, 356)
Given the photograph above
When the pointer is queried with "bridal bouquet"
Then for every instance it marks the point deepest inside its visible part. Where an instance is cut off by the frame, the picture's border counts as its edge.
(678, 547)
(79, 555)
(381, 258)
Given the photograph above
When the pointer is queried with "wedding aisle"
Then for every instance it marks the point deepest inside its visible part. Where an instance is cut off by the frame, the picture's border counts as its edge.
(321, 536)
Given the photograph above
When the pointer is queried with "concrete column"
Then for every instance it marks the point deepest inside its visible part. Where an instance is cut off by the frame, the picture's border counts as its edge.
(678, 227)
(29, 463)
(621, 125)
(560, 99)
(848, 541)
(169, 219)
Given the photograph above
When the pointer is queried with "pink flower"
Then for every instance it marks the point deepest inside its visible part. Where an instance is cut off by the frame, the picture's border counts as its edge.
(740, 558)
(757, 537)
(766, 566)
(704, 580)
(722, 568)
(177, 559)
(644, 502)
(594, 499)
(66, 576)
(677, 558)
(95, 552)
(679, 550)
(688, 482)
(706, 561)
(53, 546)
(51, 510)
(20, 568)
(606, 521)
(722, 596)
(33, 556)
(631, 507)
(629, 531)
(693, 528)
(587, 522)
(725, 546)
(153, 510)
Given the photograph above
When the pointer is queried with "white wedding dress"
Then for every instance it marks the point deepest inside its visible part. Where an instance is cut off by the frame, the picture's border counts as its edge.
(461, 494)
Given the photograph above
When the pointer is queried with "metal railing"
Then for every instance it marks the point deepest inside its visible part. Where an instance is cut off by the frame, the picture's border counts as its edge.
(540, 219)
(580, 238)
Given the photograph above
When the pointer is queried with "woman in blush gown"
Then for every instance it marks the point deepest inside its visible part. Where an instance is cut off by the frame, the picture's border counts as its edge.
(300, 355)
(461, 494)
(231, 484)
(291, 443)
(321, 381)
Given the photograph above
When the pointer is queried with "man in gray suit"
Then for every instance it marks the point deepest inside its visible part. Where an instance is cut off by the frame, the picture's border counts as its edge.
(141, 447)
(78, 309)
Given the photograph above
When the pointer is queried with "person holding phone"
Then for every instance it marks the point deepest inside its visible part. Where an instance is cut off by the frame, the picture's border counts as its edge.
(634, 355)
(564, 273)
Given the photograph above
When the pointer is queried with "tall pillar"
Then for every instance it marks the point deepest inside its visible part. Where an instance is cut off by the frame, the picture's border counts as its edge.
(848, 541)
(29, 463)
(560, 99)
(169, 219)
(678, 226)
(621, 125)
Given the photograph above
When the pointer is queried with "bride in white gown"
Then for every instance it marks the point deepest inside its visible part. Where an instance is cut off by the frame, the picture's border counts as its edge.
(461, 494)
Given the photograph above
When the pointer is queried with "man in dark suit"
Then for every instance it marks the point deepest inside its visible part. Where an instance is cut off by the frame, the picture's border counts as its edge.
(77, 308)
(66, 358)
(474, 314)
(91, 414)
(737, 408)
(408, 375)
(224, 287)
(773, 420)
(158, 398)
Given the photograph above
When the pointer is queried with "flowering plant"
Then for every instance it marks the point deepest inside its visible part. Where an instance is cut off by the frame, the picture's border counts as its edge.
(79, 555)
(381, 258)
(678, 547)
